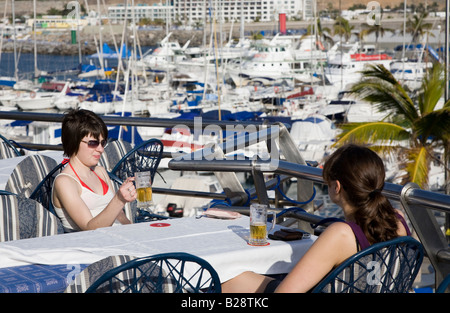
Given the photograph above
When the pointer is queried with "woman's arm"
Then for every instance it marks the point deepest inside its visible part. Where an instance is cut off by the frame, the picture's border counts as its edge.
(68, 195)
(332, 247)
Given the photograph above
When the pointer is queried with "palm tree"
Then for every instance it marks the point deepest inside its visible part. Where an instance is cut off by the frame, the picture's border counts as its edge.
(418, 28)
(321, 32)
(416, 126)
(378, 30)
(342, 27)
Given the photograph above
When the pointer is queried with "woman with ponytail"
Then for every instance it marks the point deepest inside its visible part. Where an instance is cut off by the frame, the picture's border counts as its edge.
(355, 178)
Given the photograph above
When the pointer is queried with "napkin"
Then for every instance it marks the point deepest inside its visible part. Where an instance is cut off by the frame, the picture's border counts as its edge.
(222, 214)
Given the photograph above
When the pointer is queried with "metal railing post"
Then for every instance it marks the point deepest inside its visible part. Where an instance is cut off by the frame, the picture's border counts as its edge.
(429, 233)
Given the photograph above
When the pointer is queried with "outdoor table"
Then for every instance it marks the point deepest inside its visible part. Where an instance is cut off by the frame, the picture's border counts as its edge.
(223, 243)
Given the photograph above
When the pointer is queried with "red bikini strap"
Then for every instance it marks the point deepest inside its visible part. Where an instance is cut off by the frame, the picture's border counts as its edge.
(104, 184)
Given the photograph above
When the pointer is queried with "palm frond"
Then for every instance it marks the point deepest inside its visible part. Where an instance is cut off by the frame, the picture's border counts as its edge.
(418, 165)
(434, 126)
(380, 87)
(432, 90)
(372, 132)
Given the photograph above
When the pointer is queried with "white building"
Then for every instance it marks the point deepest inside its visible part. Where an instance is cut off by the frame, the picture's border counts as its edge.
(119, 12)
(189, 11)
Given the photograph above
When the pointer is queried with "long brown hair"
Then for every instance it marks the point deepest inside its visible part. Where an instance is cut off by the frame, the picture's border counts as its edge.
(361, 173)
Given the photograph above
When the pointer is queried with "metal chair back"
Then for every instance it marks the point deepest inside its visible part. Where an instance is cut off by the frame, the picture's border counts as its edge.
(162, 273)
(143, 157)
(43, 191)
(385, 267)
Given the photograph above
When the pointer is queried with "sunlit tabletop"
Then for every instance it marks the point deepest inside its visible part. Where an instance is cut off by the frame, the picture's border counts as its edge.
(223, 243)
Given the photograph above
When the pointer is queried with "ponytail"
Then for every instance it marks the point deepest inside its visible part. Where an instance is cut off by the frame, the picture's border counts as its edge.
(361, 173)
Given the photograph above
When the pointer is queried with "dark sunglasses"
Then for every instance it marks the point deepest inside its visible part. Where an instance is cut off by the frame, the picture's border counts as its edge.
(94, 143)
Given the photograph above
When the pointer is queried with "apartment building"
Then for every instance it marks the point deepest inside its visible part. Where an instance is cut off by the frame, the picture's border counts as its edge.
(191, 11)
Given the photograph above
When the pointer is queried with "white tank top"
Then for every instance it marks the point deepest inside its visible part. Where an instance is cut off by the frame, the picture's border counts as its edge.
(95, 202)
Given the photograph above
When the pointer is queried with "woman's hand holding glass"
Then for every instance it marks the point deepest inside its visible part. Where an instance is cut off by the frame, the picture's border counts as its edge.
(127, 191)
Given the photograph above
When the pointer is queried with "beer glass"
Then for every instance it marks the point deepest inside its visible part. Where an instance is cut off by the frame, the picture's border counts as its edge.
(144, 189)
(258, 224)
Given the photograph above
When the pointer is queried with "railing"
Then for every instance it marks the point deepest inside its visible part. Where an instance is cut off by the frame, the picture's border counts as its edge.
(417, 203)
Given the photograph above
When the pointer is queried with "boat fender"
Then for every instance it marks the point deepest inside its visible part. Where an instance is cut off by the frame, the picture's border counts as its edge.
(32, 94)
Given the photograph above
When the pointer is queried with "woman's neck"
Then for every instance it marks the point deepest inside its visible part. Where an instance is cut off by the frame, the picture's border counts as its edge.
(79, 166)
(348, 210)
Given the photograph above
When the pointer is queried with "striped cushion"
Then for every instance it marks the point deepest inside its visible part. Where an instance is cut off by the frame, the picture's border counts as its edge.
(114, 151)
(24, 218)
(91, 273)
(6, 151)
(29, 173)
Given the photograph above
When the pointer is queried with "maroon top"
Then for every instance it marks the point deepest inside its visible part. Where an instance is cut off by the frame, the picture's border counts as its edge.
(361, 237)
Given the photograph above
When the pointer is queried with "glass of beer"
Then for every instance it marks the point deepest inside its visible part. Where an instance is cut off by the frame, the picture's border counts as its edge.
(258, 224)
(144, 189)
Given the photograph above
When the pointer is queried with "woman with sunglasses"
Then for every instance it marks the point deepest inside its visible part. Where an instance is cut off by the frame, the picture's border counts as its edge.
(83, 194)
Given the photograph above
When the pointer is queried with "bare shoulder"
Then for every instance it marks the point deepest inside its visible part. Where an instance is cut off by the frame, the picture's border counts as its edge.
(340, 236)
(65, 181)
(339, 229)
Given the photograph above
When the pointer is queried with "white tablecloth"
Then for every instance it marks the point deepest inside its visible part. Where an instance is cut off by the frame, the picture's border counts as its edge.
(223, 243)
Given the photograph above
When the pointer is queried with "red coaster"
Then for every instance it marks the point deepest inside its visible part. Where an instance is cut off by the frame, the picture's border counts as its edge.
(258, 245)
(159, 225)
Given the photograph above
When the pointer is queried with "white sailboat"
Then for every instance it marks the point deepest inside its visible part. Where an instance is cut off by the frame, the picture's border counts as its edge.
(166, 56)
(41, 100)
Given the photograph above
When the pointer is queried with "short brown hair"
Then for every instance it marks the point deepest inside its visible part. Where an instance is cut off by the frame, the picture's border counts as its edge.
(77, 124)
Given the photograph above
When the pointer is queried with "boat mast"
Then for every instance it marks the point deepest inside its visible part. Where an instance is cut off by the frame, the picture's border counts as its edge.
(35, 44)
(16, 73)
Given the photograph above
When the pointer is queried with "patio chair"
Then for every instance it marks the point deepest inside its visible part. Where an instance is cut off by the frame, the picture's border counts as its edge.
(162, 273)
(385, 267)
(143, 157)
(85, 278)
(43, 191)
(23, 218)
(7, 149)
(29, 173)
